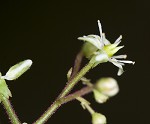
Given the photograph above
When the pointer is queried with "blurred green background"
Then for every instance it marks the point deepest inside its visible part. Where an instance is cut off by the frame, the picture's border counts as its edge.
(46, 32)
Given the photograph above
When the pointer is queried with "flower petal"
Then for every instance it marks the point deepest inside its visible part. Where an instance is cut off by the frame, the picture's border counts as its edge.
(93, 40)
(94, 36)
(119, 65)
(100, 40)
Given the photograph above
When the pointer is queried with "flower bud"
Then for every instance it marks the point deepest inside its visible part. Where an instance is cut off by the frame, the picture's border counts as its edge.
(4, 89)
(99, 97)
(88, 49)
(17, 70)
(107, 86)
(98, 118)
(69, 73)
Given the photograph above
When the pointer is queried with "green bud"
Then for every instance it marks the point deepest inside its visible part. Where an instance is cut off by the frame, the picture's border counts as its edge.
(107, 86)
(98, 118)
(4, 89)
(89, 49)
(99, 97)
(17, 70)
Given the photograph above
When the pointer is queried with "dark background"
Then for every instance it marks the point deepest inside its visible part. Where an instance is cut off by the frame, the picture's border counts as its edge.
(47, 31)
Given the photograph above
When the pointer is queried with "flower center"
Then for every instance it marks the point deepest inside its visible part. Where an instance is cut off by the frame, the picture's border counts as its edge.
(111, 49)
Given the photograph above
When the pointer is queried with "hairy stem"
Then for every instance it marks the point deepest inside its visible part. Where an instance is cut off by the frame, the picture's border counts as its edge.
(49, 112)
(9, 110)
(61, 101)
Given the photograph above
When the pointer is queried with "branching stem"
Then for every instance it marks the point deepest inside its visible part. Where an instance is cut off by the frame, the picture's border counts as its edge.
(49, 112)
(79, 93)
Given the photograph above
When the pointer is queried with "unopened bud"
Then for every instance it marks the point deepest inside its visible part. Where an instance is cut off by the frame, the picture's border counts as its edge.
(17, 70)
(69, 73)
(98, 118)
(107, 86)
(99, 97)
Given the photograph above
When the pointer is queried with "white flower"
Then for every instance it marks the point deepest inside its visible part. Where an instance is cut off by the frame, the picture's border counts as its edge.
(106, 50)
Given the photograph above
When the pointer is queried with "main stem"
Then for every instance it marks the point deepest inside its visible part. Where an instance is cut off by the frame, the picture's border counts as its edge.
(49, 112)
(9, 110)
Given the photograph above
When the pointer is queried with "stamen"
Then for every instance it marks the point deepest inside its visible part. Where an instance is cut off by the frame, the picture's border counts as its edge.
(100, 28)
(118, 40)
(126, 61)
(120, 57)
